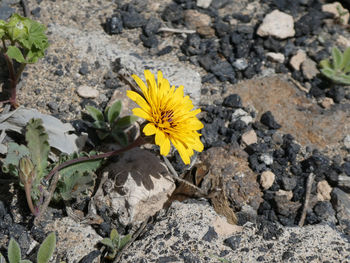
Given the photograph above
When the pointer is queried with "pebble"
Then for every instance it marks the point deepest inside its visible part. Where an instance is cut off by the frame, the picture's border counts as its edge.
(6, 12)
(36, 12)
(87, 92)
(333, 9)
(240, 64)
(172, 13)
(268, 120)
(84, 68)
(343, 41)
(133, 19)
(267, 179)
(266, 159)
(114, 24)
(195, 19)
(249, 137)
(203, 3)
(323, 191)
(298, 59)
(275, 57)
(287, 194)
(277, 24)
(233, 101)
(309, 68)
(327, 103)
(346, 141)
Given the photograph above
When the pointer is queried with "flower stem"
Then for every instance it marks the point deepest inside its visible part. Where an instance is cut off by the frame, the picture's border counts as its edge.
(28, 190)
(13, 81)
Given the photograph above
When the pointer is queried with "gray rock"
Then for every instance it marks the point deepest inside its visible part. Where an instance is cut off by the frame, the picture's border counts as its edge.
(6, 12)
(203, 3)
(309, 68)
(175, 236)
(240, 64)
(104, 50)
(277, 24)
(341, 203)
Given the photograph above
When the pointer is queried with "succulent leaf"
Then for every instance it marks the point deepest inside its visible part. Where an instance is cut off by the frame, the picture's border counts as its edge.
(114, 111)
(95, 113)
(46, 249)
(337, 58)
(107, 242)
(126, 121)
(14, 252)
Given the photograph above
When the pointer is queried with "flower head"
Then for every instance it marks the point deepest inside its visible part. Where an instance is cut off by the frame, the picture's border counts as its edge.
(169, 114)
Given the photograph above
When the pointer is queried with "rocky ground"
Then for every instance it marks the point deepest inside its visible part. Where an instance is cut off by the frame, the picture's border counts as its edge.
(276, 132)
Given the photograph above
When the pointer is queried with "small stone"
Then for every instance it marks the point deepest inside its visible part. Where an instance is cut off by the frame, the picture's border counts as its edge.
(289, 183)
(87, 92)
(206, 31)
(267, 179)
(195, 19)
(347, 141)
(84, 69)
(323, 191)
(287, 194)
(6, 12)
(268, 120)
(298, 59)
(309, 68)
(266, 158)
(240, 64)
(203, 3)
(133, 19)
(233, 101)
(233, 242)
(343, 41)
(275, 57)
(339, 12)
(327, 103)
(36, 12)
(277, 24)
(152, 27)
(114, 24)
(172, 13)
(210, 235)
(249, 137)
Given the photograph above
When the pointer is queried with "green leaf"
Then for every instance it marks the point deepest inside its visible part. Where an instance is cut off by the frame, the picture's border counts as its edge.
(120, 137)
(343, 79)
(95, 113)
(102, 134)
(114, 235)
(325, 63)
(15, 53)
(46, 249)
(124, 241)
(25, 261)
(107, 242)
(15, 152)
(2, 259)
(2, 28)
(114, 111)
(100, 125)
(337, 58)
(125, 121)
(328, 72)
(14, 252)
(37, 142)
(346, 58)
(16, 27)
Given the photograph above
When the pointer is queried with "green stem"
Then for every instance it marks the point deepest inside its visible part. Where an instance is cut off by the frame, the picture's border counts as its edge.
(28, 190)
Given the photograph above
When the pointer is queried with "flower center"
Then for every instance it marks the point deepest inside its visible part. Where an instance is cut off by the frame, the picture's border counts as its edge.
(165, 119)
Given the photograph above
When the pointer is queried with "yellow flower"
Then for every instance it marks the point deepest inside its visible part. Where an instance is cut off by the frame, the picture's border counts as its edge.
(169, 114)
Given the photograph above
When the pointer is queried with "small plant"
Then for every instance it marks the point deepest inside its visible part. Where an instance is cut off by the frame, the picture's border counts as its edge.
(337, 71)
(341, 13)
(23, 41)
(108, 124)
(115, 243)
(44, 254)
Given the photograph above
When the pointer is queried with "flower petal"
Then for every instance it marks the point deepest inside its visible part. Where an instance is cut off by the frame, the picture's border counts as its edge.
(142, 114)
(138, 99)
(149, 129)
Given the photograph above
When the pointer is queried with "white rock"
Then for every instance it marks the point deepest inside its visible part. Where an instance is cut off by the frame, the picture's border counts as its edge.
(87, 92)
(275, 57)
(343, 41)
(309, 68)
(277, 24)
(288, 194)
(266, 158)
(240, 63)
(74, 240)
(203, 3)
(323, 191)
(298, 59)
(267, 179)
(141, 186)
(347, 141)
(249, 137)
(242, 115)
(337, 9)
(327, 103)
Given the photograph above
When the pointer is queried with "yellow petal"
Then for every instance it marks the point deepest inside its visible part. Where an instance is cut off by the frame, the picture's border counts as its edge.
(138, 99)
(142, 85)
(149, 129)
(165, 147)
(182, 151)
(141, 113)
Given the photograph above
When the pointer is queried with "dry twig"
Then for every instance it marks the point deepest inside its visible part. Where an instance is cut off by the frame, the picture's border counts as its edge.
(175, 30)
(309, 183)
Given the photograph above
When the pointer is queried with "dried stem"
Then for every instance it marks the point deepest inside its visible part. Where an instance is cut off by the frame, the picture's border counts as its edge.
(309, 183)
(13, 81)
(175, 30)
(28, 190)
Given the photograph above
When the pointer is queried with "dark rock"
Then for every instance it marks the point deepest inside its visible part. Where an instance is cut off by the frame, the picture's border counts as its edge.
(308, 23)
(217, 4)
(242, 18)
(114, 24)
(287, 255)
(289, 183)
(59, 72)
(287, 209)
(192, 45)
(150, 42)
(243, 49)
(226, 48)
(222, 28)
(6, 12)
(165, 51)
(325, 211)
(317, 92)
(247, 30)
(133, 19)
(89, 258)
(210, 235)
(210, 134)
(272, 44)
(337, 93)
(224, 71)
(233, 242)
(208, 60)
(268, 120)
(268, 229)
(3, 211)
(289, 49)
(53, 106)
(233, 101)
(236, 38)
(84, 68)
(36, 12)
(152, 27)
(341, 203)
(188, 256)
(249, 72)
(173, 13)
(167, 259)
